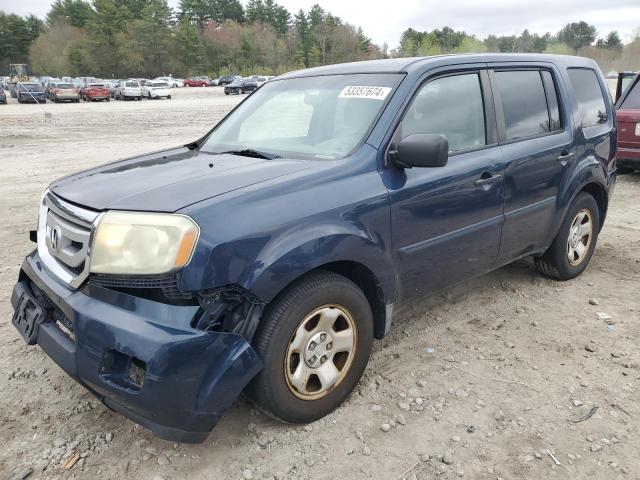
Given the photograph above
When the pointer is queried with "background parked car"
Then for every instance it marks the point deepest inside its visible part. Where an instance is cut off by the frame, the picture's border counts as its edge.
(226, 79)
(241, 85)
(96, 91)
(156, 89)
(30, 92)
(64, 92)
(3, 96)
(128, 89)
(173, 82)
(197, 82)
(628, 115)
(262, 80)
(112, 85)
(49, 86)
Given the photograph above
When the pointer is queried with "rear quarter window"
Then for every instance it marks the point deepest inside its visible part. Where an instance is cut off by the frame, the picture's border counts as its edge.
(591, 103)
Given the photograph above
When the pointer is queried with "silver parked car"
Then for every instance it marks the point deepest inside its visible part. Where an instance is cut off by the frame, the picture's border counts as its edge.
(128, 89)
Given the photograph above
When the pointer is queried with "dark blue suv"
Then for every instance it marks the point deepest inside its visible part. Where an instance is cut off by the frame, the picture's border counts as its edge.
(268, 255)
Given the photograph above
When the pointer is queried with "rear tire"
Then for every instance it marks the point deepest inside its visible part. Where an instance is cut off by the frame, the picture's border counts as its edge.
(297, 386)
(573, 247)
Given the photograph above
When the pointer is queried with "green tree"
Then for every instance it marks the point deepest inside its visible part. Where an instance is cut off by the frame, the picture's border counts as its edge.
(200, 12)
(304, 41)
(612, 42)
(188, 48)
(577, 35)
(74, 12)
(16, 35)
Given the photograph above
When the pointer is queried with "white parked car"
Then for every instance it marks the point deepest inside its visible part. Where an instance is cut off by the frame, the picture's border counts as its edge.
(262, 80)
(128, 89)
(156, 89)
(173, 82)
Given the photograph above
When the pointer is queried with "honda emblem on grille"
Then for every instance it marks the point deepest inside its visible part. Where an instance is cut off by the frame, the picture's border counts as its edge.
(55, 237)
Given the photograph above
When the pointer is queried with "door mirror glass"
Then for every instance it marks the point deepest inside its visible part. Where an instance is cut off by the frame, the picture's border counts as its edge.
(422, 150)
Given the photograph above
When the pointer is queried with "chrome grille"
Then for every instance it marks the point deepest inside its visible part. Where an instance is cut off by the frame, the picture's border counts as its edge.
(64, 238)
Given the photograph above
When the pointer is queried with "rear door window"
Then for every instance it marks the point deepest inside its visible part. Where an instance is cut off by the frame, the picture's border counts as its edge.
(591, 104)
(524, 103)
(451, 106)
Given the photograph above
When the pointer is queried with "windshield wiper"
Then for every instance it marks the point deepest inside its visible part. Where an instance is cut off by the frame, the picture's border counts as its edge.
(250, 152)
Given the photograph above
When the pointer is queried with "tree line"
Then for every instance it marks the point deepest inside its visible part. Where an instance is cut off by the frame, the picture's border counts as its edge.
(578, 38)
(147, 38)
(119, 38)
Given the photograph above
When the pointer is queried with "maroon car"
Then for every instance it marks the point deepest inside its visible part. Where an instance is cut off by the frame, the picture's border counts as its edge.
(197, 82)
(628, 115)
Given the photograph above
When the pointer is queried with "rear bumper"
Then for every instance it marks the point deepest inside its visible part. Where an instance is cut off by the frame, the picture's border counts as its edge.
(32, 99)
(628, 157)
(189, 377)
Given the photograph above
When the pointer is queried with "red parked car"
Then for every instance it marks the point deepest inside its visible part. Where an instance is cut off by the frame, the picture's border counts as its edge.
(197, 82)
(95, 91)
(628, 115)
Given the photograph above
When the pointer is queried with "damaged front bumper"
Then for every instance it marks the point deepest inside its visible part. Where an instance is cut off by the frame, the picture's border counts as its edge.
(140, 357)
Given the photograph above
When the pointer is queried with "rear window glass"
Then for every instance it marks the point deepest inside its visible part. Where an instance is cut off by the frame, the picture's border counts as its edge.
(159, 84)
(31, 87)
(523, 102)
(65, 85)
(132, 84)
(632, 101)
(96, 85)
(591, 104)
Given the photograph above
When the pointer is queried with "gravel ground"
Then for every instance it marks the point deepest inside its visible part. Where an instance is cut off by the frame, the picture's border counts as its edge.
(508, 376)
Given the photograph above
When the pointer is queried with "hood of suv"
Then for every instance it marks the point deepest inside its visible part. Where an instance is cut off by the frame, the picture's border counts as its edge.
(170, 180)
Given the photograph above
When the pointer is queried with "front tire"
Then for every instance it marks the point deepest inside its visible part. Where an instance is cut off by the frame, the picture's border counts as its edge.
(573, 247)
(315, 340)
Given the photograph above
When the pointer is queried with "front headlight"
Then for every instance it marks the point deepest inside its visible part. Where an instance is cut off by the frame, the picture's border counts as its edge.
(133, 243)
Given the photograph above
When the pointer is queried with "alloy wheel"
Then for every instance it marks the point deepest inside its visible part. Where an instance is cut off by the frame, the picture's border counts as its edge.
(580, 236)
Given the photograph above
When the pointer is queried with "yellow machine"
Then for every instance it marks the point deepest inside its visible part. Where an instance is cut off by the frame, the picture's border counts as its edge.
(17, 73)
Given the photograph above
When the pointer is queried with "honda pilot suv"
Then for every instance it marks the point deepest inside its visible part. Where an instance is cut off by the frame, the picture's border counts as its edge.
(267, 256)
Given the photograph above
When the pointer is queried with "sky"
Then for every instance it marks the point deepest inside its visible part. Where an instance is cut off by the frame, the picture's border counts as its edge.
(385, 21)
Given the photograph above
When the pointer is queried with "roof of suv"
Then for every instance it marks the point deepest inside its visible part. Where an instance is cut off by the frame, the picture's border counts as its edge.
(407, 65)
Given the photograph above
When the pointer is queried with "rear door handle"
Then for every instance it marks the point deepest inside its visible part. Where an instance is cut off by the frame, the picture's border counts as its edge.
(488, 180)
(565, 156)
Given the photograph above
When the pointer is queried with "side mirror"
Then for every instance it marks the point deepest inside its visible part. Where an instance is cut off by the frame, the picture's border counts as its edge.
(421, 150)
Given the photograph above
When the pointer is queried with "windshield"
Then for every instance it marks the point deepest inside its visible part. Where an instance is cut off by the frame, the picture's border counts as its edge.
(313, 117)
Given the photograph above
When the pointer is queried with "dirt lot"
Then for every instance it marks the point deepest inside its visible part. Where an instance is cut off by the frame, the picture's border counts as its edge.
(509, 376)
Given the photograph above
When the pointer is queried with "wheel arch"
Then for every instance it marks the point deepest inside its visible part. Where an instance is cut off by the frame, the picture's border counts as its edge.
(367, 281)
(599, 193)
(380, 294)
